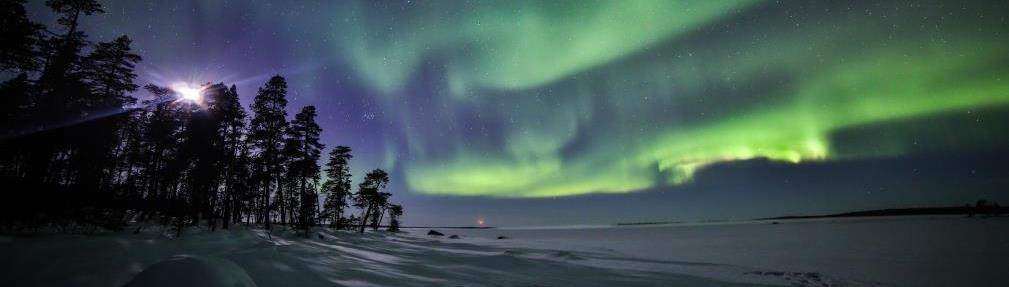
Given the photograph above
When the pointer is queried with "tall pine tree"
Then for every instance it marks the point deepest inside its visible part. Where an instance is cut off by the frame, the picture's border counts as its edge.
(305, 150)
(337, 187)
(231, 127)
(266, 135)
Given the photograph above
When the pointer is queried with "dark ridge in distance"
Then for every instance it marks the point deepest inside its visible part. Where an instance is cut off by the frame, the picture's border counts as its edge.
(646, 223)
(951, 210)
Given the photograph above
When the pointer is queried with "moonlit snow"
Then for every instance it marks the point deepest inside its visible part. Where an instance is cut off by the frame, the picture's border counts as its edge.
(904, 251)
(192, 271)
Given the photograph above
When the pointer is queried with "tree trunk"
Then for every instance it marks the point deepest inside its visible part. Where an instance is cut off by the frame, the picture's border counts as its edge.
(304, 210)
(364, 218)
(381, 215)
(266, 207)
(339, 219)
(281, 199)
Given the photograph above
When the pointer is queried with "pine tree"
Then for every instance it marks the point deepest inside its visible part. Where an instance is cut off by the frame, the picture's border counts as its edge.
(60, 92)
(381, 203)
(369, 194)
(205, 153)
(303, 142)
(63, 52)
(337, 187)
(20, 37)
(71, 10)
(231, 128)
(55, 154)
(266, 137)
(158, 150)
(188, 166)
(109, 70)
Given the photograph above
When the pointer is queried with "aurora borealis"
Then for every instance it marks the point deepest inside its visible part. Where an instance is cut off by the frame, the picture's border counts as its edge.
(623, 85)
(548, 99)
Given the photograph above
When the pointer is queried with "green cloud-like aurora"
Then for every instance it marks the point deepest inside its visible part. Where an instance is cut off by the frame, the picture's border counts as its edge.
(543, 99)
(516, 44)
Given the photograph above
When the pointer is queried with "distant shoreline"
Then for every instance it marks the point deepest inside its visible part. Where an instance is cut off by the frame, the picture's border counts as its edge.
(951, 210)
(449, 227)
(646, 223)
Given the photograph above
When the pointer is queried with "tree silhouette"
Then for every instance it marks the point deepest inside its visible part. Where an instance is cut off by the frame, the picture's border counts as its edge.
(381, 203)
(157, 151)
(231, 127)
(71, 10)
(20, 37)
(109, 70)
(108, 75)
(304, 150)
(337, 187)
(369, 194)
(60, 94)
(63, 51)
(266, 137)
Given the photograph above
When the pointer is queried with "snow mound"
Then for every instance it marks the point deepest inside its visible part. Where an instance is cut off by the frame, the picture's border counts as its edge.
(194, 271)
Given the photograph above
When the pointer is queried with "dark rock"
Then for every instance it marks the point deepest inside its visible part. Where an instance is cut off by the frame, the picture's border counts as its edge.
(435, 233)
(453, 236)
(502, 237)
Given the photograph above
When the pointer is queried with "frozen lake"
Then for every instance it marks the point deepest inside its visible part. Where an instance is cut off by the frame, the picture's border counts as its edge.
(900, 251)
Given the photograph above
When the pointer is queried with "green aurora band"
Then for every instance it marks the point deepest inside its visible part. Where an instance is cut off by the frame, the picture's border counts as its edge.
(561, 98)
(517, 44)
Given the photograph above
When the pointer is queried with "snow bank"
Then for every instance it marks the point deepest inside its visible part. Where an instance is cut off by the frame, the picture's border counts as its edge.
(192, 271)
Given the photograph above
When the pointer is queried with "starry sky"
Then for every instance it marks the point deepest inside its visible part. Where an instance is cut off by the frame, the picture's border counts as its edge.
(585, 112)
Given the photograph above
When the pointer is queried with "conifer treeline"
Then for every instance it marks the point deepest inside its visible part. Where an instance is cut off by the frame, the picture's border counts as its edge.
(78, 152)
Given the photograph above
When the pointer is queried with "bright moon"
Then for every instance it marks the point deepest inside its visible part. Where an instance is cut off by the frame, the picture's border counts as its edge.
(188, 93)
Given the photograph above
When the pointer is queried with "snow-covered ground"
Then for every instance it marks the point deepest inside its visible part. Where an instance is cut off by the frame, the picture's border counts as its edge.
(885, 251)
(915, 251)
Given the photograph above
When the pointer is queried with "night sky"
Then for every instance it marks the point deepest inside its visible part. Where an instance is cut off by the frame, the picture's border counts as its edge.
(586, 112)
